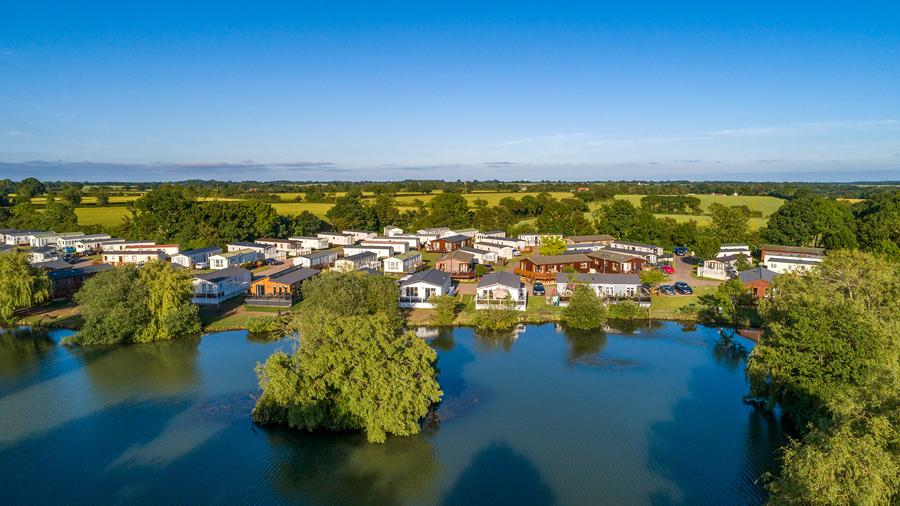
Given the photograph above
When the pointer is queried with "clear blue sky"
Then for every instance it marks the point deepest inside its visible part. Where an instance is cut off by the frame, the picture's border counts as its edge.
(668, 90)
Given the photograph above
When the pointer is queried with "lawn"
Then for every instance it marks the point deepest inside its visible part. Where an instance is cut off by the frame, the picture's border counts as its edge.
(111, 216)
(672, 302)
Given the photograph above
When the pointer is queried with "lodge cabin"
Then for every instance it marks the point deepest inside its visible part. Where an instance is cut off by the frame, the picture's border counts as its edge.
(458, 264)
(282, 289)
(544, 268)
(591, 238)
(448, 243)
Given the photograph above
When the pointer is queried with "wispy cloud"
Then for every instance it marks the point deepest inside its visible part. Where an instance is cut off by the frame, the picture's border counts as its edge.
(91, 170)
(501, 164)
(547, 139)
(803, 128)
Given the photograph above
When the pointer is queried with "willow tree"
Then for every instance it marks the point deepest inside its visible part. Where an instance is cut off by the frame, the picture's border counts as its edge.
(354, 368)
(350, 373)
(585, 310)
(169, 301)
(21, 285)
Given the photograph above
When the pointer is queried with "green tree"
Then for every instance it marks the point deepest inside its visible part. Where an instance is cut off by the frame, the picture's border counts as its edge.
(552, 245)
(729, 224)
(349, 213)
(557, 217)
(706, 245)
(653, 277)
(72, 194)
(876, 224)
(130, 305)
(114, 307)
(60, 217)
(497, 319)
(448, 209)
(169, 301)
(830, 359)
(350, 373)
(21, 285)
(723, 304)
(444, 309)
(585, 310)
(352, 294)
(812, 220)
(622, 220)
(28, 189)
(101, 197)
(307, 224)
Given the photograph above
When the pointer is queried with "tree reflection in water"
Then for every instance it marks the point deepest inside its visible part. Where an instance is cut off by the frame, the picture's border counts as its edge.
(728, 351)
(345, 469)
(584, 344)
(161, 368)
(22, 348)
(498, 340)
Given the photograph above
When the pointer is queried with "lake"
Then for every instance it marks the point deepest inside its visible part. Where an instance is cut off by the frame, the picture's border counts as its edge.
(649, 416)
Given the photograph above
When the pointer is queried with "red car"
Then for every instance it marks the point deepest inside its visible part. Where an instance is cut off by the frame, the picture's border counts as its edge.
(668, 269)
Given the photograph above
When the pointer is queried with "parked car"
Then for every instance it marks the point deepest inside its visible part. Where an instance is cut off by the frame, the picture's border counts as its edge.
(681, 250)
(537, 289)
(666, 290)
(668, 269)
(683, 288)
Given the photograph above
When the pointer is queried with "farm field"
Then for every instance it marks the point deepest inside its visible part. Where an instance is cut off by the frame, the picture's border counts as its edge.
(90, 199)
(110, 216)
(763, 204)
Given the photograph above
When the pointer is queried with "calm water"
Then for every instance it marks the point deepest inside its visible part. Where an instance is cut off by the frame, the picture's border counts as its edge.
(649, 417)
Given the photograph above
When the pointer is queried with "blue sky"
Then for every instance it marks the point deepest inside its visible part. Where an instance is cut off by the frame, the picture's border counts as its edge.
(351, 91)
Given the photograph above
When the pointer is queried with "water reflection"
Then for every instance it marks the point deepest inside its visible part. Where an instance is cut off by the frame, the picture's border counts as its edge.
(584, 345)
(500, 475)
(21, 349)
(728, 351)
(495, 341)
(695, 448)
(345, 469)
(151, 369)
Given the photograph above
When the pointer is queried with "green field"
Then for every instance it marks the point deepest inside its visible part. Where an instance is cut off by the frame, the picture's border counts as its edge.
(111, 216)
(765, 205)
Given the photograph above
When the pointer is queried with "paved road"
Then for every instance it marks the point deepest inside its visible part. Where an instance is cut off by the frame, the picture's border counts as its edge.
(683, 271)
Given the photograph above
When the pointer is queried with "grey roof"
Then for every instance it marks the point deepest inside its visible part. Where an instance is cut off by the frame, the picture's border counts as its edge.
(200, 251)
(756, 274)
(43, 249)
(504, 278)
(219, 275)
(370, 271)
(320, 254)
(641, 244)
(294, 275)
(430, 276)
(494, 244)
(621, 251)
(567, 258)
(53, 265)
(600, 279)
(462, 256)
(360, 256)
(75, 272)
(800, 250)
(455, 238)
(474, 251)
(254, 245)
(604, 254)
(591, 238)
(796, 261)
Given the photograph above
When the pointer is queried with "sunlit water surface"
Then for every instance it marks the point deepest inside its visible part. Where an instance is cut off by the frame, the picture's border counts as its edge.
(650, 416)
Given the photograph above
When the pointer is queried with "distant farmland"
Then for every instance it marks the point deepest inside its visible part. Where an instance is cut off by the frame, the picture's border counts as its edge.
(111, 216)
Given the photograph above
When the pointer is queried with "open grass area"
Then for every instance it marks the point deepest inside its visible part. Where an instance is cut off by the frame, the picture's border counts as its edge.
(763, 204)
(111, 216)
(675, 302)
